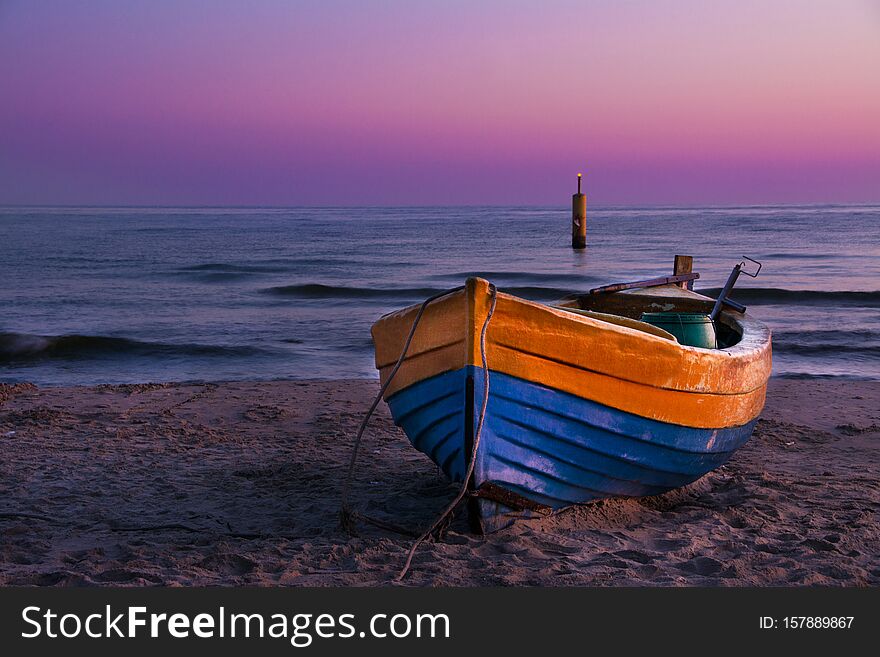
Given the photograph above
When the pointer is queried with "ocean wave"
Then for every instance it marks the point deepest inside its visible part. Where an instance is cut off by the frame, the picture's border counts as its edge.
(827, 334)
(24, 347)
(775, 295)
(821, 375)
(835, 349)
(228, 268)
(536, 293)
(320, 291)
(214, 276)
(223, 272)
(413, 294)
(793, 256)
(580, 281)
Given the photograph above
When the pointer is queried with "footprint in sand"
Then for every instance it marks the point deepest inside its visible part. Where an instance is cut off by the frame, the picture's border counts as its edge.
(227, 564)
(705, 566)
(634, 555)
(819, 545)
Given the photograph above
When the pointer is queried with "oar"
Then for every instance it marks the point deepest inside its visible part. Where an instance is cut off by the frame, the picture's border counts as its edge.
(651, 282)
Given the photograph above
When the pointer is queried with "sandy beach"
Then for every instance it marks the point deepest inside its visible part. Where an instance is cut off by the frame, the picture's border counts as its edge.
(238, 484)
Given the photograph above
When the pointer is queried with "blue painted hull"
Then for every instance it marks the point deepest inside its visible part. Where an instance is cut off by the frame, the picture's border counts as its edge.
(550, 448)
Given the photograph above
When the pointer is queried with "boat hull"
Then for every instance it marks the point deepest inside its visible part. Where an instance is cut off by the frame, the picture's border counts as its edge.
(548, 448)
(579, 407)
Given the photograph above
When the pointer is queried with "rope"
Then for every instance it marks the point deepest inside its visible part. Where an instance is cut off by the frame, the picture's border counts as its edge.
(470, 468)
(346, 515)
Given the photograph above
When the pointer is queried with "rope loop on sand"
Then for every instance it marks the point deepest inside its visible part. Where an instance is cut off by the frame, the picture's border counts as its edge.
(347, 516)
(493, 292)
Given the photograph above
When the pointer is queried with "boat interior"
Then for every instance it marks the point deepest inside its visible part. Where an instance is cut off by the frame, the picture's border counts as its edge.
(626, 308)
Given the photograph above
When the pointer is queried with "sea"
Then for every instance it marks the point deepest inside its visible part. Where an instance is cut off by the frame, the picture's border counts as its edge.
(127, 295)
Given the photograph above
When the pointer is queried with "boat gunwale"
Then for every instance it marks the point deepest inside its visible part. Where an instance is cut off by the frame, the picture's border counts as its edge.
(738, 372)
(755, 336)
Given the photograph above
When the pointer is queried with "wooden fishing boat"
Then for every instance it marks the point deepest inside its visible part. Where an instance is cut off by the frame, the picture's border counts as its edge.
(585, 401)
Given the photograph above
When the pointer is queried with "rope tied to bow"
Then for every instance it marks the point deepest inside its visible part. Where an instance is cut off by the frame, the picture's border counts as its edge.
(347, 516)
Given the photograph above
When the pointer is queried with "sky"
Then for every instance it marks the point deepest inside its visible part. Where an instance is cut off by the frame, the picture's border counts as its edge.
(410, 102)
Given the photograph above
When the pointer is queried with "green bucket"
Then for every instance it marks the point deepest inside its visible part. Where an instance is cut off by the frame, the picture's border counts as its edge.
(690, 329)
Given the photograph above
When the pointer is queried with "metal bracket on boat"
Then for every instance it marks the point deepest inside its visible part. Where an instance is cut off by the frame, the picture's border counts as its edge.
(651, 282)
(496, 493)
(722, 299)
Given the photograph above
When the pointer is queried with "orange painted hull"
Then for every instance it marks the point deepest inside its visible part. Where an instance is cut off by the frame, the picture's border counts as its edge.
(616, 366)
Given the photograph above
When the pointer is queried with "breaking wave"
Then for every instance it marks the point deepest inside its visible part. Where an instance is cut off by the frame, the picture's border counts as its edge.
(24, 347)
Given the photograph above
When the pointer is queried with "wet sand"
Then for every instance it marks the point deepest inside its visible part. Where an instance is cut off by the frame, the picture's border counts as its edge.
(238, 484)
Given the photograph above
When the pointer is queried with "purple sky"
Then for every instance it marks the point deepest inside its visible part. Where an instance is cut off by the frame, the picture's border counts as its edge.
(332, 102)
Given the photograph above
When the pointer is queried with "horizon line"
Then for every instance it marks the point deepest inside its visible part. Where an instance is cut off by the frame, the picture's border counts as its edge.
(672, 206)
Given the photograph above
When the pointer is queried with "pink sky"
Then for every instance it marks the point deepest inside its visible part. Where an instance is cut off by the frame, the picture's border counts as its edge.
(331, 102)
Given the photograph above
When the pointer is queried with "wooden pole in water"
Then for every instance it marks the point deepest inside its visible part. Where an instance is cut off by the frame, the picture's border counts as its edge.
(579, 219)
(684, 264)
